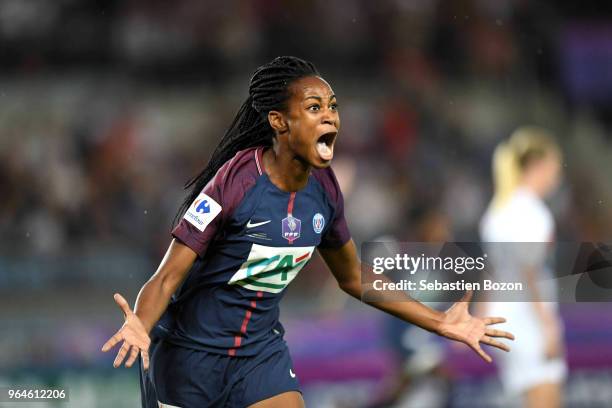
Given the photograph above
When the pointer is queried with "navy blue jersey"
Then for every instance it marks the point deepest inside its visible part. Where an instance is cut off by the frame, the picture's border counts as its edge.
(252, 240)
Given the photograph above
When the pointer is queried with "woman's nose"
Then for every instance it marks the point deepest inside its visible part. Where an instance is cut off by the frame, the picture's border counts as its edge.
(330, 117)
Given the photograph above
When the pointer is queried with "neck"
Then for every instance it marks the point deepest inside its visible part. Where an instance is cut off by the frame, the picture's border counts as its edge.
(285, 170)
(531, 184)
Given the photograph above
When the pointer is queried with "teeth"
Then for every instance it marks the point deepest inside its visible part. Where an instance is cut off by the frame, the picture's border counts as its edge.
(324, 151)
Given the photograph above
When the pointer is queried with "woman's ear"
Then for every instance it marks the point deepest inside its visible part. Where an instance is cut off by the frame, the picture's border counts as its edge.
(277, 121)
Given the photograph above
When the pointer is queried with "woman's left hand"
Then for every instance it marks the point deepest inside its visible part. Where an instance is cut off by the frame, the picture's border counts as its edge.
(459, 325)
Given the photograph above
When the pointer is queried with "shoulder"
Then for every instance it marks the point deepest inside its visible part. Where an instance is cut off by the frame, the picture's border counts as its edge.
(236, 176)
(524, 218)
(243, 166)
(542, 221)
(336, 232)
(533, 209)
(328, 181)
(500, 224)
(233, 180)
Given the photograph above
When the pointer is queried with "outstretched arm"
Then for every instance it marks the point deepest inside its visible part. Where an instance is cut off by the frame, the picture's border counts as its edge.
(456, 323)
(154, 296)
(151, 303)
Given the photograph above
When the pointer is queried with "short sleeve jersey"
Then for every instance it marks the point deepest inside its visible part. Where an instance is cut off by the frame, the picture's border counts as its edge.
(528, 224)
(525, 218)
(252, 240)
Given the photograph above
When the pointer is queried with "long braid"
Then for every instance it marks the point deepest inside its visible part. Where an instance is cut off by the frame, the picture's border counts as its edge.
(268, 90)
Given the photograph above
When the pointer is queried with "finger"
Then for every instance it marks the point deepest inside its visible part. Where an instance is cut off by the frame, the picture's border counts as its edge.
(117, 337)
(499, 333)
(121, 354)
(467, 296)
(133, 356)
(494, 320)
(123, 304)
(481, 353)
(145, 359)
(492, 342)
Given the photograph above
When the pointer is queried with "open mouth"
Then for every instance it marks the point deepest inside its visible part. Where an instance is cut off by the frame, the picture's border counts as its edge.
(325, 145)
(327, 138)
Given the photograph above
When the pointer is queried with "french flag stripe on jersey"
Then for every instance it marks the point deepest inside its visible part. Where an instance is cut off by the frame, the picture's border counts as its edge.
(259, 161)
(290, 206)
(243, 327)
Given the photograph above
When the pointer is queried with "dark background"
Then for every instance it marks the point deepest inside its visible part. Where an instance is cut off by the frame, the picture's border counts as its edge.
(108, 107)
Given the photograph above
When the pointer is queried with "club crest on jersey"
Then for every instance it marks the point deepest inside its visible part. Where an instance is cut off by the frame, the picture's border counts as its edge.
(318, 222)
(291, 228)
(202, 211)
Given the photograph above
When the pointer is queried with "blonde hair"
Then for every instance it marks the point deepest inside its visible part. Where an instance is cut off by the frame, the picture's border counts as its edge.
(510, 159)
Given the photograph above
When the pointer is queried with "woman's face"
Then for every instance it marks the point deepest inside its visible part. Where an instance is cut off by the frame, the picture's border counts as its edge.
(312, 120)
(549, 171)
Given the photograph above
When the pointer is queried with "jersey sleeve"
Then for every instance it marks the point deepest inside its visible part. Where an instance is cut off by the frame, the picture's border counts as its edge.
(203, 219)
(337, 233)
(206, 216)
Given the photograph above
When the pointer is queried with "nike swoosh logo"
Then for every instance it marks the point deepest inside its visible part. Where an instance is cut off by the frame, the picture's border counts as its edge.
(291, 373)
(256, 224)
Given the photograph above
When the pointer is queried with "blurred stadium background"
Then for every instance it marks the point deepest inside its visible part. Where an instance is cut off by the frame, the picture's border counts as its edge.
(107, 107)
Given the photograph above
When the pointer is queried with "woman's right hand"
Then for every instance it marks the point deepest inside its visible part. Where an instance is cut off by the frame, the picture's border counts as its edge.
(133, 335)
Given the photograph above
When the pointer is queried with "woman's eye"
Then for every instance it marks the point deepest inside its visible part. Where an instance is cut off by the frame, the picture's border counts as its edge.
(334, 106)
(314, 108)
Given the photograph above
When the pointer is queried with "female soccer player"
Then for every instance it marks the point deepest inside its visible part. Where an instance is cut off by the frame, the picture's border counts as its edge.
(255, 215)
(526, 169)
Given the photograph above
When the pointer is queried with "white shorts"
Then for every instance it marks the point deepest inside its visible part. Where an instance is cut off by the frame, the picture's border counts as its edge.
(526, 365)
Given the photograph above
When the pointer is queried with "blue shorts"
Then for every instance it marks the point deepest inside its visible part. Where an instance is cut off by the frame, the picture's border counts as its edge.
(189, 378)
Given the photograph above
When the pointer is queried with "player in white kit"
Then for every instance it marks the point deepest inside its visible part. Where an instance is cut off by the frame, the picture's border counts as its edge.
(526, 169)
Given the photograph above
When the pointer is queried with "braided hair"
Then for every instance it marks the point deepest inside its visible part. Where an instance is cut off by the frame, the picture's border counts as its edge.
(268, 90)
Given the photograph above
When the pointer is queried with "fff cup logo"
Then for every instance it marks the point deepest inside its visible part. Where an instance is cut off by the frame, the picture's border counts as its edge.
(291, 228)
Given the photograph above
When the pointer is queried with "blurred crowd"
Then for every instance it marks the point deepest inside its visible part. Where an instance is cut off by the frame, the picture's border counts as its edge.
(109, 107)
